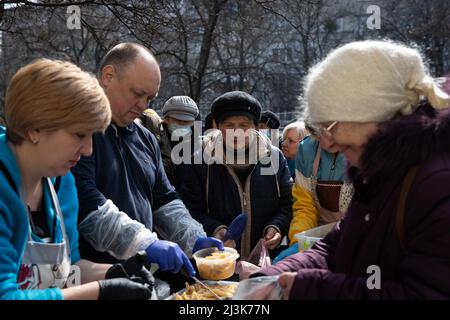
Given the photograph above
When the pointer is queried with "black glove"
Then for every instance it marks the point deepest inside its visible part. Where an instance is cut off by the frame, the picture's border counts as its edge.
(133, 268)
(123, 289)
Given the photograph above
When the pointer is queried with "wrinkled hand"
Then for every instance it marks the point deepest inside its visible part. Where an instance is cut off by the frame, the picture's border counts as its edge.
(273, 238)
(169, 256)
(220, 234)
(286, 253)
(123, 289)
(286, 280)
(207, 242)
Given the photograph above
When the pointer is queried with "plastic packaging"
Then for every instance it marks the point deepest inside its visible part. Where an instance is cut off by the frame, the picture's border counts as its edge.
(162, 289)
(307, 238)
(259, 258)
(216, 269)
(111, 230)
(260, 288)
(173, 222)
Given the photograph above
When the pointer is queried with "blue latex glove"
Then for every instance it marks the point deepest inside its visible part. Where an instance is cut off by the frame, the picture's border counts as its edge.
(286, 253)
(207, 242)
(236, 227)
(169, 256)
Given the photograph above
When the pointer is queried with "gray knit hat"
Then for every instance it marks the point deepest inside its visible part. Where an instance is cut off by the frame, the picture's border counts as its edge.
(369, 81)
(180, 108)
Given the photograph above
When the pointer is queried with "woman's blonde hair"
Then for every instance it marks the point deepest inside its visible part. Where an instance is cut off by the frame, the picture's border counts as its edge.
(299, 127)
(49, 95)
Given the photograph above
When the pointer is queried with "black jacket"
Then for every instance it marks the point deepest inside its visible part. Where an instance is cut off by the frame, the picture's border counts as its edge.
(214, 197)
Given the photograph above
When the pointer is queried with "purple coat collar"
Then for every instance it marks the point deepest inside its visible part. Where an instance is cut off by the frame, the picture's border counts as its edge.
(401, 144)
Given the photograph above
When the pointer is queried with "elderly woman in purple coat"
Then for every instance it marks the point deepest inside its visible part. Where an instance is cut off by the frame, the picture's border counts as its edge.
(376, 102)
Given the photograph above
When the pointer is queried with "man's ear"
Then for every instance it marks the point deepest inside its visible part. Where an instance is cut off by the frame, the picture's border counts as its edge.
(107, 75)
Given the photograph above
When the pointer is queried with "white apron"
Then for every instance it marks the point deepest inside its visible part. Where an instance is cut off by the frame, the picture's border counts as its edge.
(46, 265)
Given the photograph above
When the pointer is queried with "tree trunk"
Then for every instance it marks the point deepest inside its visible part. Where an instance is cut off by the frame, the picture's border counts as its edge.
(206, 48)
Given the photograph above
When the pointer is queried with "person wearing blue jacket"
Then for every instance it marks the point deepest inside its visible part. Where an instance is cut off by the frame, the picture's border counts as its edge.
(321, 193)
(124, 193)
(51, 108)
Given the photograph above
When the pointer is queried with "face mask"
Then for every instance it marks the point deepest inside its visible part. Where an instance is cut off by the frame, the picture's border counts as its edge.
(179, 130)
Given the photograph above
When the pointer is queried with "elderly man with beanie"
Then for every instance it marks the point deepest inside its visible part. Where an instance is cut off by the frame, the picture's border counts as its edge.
(241, 172)
(376, 102)
(178, 116)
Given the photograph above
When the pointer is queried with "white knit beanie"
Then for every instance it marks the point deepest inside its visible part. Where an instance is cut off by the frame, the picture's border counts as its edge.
(369, 81)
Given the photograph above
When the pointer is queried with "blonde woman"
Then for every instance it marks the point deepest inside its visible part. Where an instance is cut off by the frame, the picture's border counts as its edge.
(293, 133)
(52, 109)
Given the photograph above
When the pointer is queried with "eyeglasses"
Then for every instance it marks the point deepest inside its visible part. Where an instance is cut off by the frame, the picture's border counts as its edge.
(318, 130)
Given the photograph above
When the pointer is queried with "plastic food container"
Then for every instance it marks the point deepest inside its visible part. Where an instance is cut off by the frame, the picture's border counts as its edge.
(215, 268)
(307, 238)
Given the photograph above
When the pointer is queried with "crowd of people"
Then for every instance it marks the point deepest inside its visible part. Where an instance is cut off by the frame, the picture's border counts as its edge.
(96, 181)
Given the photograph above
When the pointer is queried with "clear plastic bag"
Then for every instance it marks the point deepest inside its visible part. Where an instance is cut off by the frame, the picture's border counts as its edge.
(174, 223)
(259, 258)
(260, 288)
(162, 289)
(111, 230)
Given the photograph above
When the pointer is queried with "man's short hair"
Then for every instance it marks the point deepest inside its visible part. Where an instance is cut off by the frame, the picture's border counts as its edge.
(122, 55)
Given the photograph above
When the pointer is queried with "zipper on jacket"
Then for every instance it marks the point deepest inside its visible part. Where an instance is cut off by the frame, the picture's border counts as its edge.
(239, 186)
(246, 191)
(244, 194)
(246, 245)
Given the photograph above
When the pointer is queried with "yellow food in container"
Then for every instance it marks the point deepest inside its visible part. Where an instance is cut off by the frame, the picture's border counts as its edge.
(197, 292)
(213, 264)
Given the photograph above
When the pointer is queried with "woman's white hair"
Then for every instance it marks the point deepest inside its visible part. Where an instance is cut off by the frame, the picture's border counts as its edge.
(299, 127)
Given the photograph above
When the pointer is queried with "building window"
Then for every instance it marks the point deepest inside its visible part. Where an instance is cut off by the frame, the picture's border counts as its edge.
(340, 24)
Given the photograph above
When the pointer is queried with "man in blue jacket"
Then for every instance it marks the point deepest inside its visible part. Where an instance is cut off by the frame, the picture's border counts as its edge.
(241, 172)
(123, 191)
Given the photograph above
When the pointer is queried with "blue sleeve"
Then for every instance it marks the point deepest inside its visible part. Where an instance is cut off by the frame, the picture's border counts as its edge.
(10, 258)
(306, 153)
(89, 197)
(67, 196)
